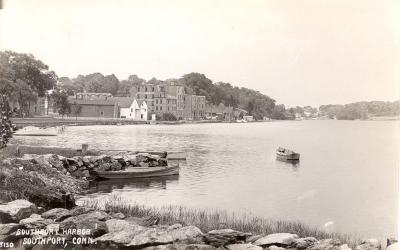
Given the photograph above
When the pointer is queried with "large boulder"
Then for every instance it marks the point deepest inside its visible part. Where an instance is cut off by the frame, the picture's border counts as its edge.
(92, 221)
(9, 228)
(223, 237)
(327, 244)
(35, 221)
(181, 247)
(57, 214)
(17, 210)
(278, 239)
(120, 232)
(303, 243)
(161, 236)
(246, 246)
(370, 244)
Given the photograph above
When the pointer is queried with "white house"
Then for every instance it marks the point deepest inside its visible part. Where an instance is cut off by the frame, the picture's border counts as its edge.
(131, 109)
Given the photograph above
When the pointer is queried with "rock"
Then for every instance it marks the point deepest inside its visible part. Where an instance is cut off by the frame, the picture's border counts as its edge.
(278, 239)
(188, 234)
(95, 215)
(153, 164)
(95, 227)
(15, 211)
(78, 210)
(141, 158)
(181, 247)
(303, 243)
(162, 162)
(225, 236)
(35, 221)
(57, 214)
(94, 221)
(344, 247)
(253, 238)
(326, 244)
(119, 232)
(144, 164)
(116, 166)
(175, 226)
(9, 228)
(370, 244)
(394, 246)
(159, 236)
(246, 246)
(118, 216)
(72, 168)
(71, 161)
(105, 167)
(275, 248)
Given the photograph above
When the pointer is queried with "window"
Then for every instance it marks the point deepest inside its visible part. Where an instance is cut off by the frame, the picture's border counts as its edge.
(145, 96)
(157, 101)
(131, 109)
(160, 107)
(152, 89)
(160, 100)
(168, 108)
(152, 96)
(156, 107)
(145, 89)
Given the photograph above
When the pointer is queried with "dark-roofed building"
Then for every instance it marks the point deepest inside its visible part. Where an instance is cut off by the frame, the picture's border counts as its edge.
(98, 108)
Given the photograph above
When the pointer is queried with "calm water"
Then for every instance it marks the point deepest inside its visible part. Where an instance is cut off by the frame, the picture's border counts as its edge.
(348, 173)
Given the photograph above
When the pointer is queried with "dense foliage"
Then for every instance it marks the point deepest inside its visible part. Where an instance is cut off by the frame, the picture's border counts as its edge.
(23, 78)
(61, 102)
(257, 104)
(5, 123)
(360, 110)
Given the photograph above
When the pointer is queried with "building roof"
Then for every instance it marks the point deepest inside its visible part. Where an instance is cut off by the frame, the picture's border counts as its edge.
(102, 102)
(123, 102)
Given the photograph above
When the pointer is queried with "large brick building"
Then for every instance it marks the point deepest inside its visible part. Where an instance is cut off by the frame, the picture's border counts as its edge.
(195, 107)
(170, 98)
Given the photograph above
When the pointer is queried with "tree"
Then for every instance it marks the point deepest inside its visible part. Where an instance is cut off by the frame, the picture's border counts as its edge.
(26, 68)
(76, 109)
(6, 127)
(61, 102)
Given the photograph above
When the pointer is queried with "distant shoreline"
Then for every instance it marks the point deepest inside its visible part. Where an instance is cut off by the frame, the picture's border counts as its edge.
(54, 122)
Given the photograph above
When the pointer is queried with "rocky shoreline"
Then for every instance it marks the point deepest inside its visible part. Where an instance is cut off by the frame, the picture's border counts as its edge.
(47, 217)
(25, 226)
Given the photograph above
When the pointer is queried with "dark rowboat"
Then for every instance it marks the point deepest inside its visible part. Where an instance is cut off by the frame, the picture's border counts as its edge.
(287, 154)
(140, 172)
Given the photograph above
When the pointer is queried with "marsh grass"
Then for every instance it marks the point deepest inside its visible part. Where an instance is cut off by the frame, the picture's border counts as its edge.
(208, 219)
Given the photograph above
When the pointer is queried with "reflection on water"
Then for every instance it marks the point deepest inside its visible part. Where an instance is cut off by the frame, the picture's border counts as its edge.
(107, 186)
(347, 175)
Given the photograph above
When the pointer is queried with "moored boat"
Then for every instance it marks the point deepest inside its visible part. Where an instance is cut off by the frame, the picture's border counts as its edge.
(287, 154)
(140, 172)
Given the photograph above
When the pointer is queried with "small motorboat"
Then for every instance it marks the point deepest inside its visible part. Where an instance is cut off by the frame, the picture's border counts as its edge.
(287, 154)
(140, 172)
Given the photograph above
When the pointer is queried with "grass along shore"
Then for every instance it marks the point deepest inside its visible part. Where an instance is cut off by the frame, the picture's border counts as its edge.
(207, 220)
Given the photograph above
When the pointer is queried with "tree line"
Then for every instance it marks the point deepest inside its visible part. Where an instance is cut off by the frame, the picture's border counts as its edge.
(360, 110)
(23, 78)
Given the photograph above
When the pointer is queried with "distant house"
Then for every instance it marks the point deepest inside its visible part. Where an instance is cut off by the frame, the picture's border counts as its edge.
(132, 109)
(99, 108)
(104, 106)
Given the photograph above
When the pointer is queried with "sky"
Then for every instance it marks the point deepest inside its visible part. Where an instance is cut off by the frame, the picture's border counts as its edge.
(299, 52)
